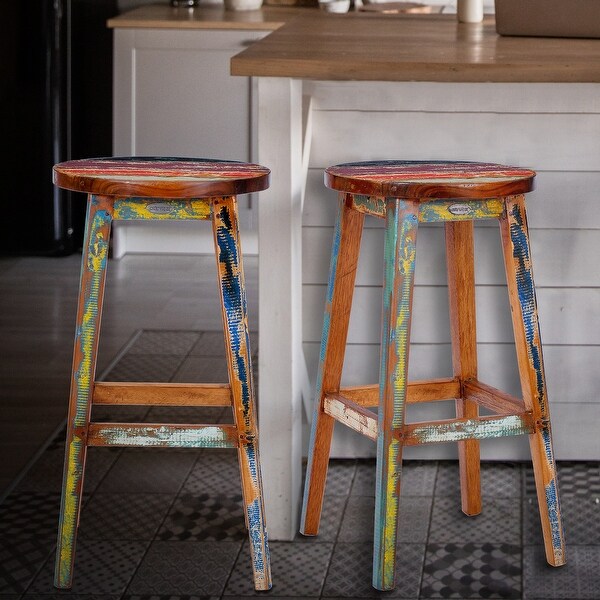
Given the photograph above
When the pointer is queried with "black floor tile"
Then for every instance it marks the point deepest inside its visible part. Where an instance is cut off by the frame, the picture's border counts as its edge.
(164, 342)
(413, 520)
(351, 569)
(101, 568)
(20, 560)
(123, 516)
(418, 478)
(204, 518)
(148, 470)
(298, 570)
(498, 480)
(499, 522)
(185, 568)
(331, 519)
(472, 571)
(574, 478)
(581, 521)
(30, 514)
(579, 579)
(214, 472)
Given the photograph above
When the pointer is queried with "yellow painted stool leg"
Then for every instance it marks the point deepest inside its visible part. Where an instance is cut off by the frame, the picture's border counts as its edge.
(399, 265)
(519, 275)
(237, 344)
(91, 292)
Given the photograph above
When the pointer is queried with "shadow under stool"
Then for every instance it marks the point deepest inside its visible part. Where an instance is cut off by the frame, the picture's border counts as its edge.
(175, 189)
(405, 194)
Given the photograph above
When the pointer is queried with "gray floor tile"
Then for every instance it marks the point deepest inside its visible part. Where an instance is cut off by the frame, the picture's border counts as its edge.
(148, 470)
(579, 579)
(166, 597)
(581, 521)
(118, 414)
(127, 516)
(472, 571)
(351, 570)
(30, 514)
(154, 341)
(145, 367)
(413, 520)
(211, 343)
(499, 522)
(215, 472)
(331, 519)
(204, 518)
(185, 568)
(498, 480)
(47, 473)
(298, 570)
(20, 560)
(574, 478)
(202, 369)
(185, 414)
(101, 567)
(61, 594)
(418, 478)
(340, 475)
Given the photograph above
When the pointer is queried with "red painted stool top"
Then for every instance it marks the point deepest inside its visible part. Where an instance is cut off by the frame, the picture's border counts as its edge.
(429, 179)
(151, 177)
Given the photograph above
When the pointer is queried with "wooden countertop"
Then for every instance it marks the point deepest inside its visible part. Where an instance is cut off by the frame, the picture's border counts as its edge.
(159, 16)
(366, 47)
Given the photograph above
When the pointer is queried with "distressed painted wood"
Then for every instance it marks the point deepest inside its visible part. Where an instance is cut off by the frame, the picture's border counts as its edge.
(418, 186)
(162, 436)
(166, 185)
(351, 414)
(456, 430)
(338, 304)
(494, 399)
(460, 265)
(156, 177)
(129, 209)
(89, 310)
(237, 343)
(402, 220)
(162, 394)
(521, 290)
(417, 391)
(423, 180)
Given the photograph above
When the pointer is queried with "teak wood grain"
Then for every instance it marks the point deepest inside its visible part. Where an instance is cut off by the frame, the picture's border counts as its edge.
(414, 48)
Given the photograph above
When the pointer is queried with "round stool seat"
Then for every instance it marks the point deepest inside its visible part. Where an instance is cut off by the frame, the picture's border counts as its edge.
(151, 177)
(429, 179)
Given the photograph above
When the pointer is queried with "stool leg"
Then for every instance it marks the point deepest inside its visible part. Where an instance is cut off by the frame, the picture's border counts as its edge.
(342, 273)
(399, 259)
(91, 293)
(461, 293)
(235, 324)
(519, 274)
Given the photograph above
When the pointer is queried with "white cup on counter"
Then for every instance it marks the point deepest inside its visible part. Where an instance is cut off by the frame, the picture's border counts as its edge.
(334, 6)
(469, 11)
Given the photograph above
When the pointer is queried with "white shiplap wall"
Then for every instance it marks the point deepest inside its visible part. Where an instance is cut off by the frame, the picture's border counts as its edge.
(553, 128)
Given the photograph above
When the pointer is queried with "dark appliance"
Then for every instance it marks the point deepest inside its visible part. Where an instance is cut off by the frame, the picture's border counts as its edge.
(55, 104)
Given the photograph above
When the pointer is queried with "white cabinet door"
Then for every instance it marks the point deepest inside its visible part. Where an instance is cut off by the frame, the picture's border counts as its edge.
(173, 96)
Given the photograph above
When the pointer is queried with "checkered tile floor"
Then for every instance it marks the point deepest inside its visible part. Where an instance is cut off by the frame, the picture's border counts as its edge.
(168, 524)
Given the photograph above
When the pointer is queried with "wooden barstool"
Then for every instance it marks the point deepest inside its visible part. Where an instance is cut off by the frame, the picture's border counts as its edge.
(162, 188)
(406, 194)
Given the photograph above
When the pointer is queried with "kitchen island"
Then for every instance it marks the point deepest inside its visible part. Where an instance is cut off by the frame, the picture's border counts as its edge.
(355, 87)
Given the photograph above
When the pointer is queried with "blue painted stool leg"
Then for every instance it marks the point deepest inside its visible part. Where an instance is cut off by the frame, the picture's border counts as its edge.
(342, 273)
(399, 261)
(237, 344)
(519, 274)
(91, 292)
